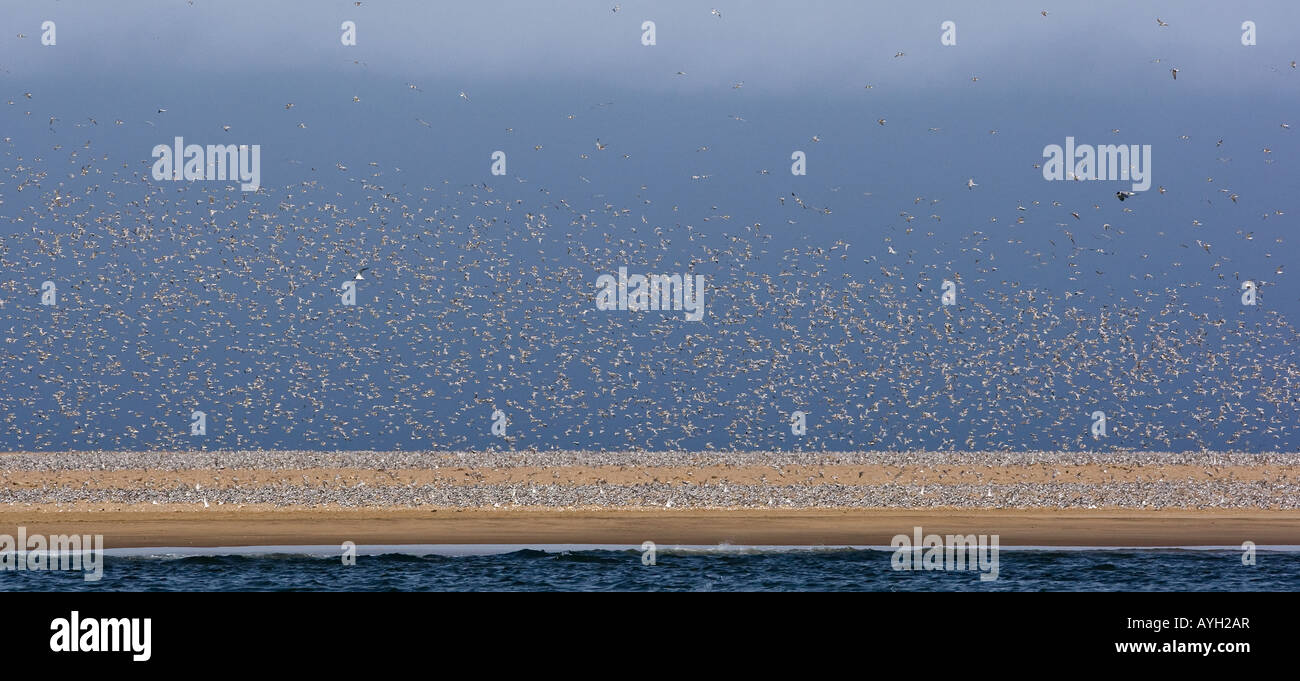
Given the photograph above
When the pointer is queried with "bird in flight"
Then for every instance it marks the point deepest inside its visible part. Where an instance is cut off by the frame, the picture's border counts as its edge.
(1121, 195)
(970, 183)
(359, 277)
(1158, 21)
(1175, 72)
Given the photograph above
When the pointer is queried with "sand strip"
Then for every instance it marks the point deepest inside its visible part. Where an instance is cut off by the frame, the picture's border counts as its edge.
(184, 526)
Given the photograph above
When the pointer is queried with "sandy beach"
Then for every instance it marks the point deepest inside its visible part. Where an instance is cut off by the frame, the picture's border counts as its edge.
(295, 498)
(135, 527)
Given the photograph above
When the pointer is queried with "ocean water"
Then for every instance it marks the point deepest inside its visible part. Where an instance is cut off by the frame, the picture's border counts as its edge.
(675, 569)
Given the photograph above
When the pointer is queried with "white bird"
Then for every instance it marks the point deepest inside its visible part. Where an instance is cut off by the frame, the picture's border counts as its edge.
(970, 183)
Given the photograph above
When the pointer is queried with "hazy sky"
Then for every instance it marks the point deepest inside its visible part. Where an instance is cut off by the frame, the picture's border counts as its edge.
(813, 49)
(561, 75)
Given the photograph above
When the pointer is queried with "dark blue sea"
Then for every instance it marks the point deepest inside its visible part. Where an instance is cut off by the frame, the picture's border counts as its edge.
(712, 569)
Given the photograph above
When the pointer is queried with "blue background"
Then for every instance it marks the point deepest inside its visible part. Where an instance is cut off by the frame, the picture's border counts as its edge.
(179, 296)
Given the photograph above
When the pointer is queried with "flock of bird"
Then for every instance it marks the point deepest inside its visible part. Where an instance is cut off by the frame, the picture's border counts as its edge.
(479, 298)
